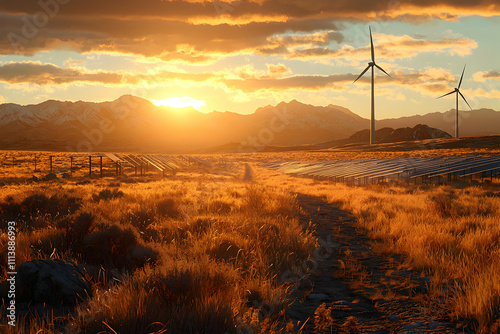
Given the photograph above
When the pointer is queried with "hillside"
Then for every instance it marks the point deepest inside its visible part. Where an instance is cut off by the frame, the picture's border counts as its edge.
(390, 135)
(482, 122)
(134, 124)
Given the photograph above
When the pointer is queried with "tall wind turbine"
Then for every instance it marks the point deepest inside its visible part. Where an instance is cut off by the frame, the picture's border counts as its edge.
(458, 92)
(372, 65)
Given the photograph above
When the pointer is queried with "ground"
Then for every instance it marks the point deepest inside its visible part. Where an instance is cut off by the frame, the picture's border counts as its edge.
(354, 281)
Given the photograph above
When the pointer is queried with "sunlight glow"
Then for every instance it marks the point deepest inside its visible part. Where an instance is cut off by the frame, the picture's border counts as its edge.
(179, 102)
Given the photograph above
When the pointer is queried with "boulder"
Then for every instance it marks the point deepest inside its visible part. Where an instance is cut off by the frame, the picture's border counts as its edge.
(50, 176)
(51, 282)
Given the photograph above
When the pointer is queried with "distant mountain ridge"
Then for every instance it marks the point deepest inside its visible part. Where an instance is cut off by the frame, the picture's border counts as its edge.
(134, 124)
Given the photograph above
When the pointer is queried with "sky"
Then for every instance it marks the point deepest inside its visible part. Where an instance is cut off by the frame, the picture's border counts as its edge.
(241, 55)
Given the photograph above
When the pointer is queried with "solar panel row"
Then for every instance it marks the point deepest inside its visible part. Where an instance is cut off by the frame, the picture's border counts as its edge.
(142, 162)
(405, 169)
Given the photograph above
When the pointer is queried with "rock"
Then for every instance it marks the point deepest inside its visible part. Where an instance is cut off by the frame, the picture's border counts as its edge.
(318, 296)
(66, 176)
(35, 179)
(436, 324)
(51, 282)
(394, 318)
(413, 325)
(50, 176)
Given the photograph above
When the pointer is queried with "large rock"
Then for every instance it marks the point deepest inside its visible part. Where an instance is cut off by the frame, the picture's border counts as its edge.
(51, 282)
(50, 177)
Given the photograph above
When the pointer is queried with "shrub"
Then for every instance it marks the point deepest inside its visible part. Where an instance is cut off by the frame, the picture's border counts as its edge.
(38, 210)
(168, 207)
(55, 205)
(443, 204)
(37, 203)
(107, 194)
(254, 199)
(180, 297)
(225, 249)
(219, 207)
(323, 320)
(82, 226)
(117, 247)
(142, 218)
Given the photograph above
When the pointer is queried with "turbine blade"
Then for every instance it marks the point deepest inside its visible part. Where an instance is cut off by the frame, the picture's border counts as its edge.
(366, 69)
(380, 68)
(463, 97)
(446, 94)
(371, 41)
(461, 78)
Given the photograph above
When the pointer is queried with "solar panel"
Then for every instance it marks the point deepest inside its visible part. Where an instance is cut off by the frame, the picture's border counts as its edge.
(406, 169)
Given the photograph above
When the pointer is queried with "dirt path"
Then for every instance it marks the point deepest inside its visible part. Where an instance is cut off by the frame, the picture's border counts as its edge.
(354, 281)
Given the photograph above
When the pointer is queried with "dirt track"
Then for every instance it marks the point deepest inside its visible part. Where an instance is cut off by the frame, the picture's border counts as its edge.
(377, 291)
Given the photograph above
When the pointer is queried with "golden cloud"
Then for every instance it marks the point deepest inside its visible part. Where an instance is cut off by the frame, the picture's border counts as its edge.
(392, 47)
(211, 29)
(50, 74)
(486, 75)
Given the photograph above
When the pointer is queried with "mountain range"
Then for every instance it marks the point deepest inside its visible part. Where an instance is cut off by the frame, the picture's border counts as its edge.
(134, 124)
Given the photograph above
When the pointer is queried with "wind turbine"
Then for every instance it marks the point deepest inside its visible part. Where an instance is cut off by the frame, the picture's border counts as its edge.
(372, 65)
(457, 90)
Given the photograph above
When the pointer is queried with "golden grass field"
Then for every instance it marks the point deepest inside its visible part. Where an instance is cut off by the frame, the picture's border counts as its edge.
(202, 251)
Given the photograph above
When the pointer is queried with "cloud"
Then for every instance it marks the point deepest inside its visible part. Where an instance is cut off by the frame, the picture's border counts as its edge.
(50, 74)
(480, 92)
(487, 75)
(393, 47)
(205, 30)
(184, 9)
(70, 62)
(431, 80)
(168, 40)
(250, 72)
(246, 79)
(43, 74)
(278, 70)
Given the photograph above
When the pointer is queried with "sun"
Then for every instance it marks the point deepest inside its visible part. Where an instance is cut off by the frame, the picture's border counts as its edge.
(179, 102)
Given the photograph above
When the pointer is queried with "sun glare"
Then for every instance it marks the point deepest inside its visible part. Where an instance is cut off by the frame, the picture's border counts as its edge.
(179, 102)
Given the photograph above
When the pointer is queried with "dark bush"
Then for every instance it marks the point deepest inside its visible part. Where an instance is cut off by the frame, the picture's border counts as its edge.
(38, 210)
(107, 194)
(37, 203)
(168, 207)
(117, 247)
(141, 218)
(82, 226)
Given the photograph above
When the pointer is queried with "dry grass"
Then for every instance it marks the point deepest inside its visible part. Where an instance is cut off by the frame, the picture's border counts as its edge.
(451, 233)
(194, 254)
(215, 243)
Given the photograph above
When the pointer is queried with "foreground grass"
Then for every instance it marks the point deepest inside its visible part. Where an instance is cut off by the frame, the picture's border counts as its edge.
(450, 233)
(195, 254)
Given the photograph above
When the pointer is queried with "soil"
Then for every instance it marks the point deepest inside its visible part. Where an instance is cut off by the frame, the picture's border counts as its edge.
(378, 291)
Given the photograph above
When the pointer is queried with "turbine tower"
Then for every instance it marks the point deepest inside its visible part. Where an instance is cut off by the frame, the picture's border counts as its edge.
(458, 92)
(372, 65)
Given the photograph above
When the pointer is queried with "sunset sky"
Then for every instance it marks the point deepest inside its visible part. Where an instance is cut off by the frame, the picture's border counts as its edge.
(245, 54)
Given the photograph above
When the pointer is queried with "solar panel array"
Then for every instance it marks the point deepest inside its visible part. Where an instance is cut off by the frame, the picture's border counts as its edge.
(162, 163)
(363, 171)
